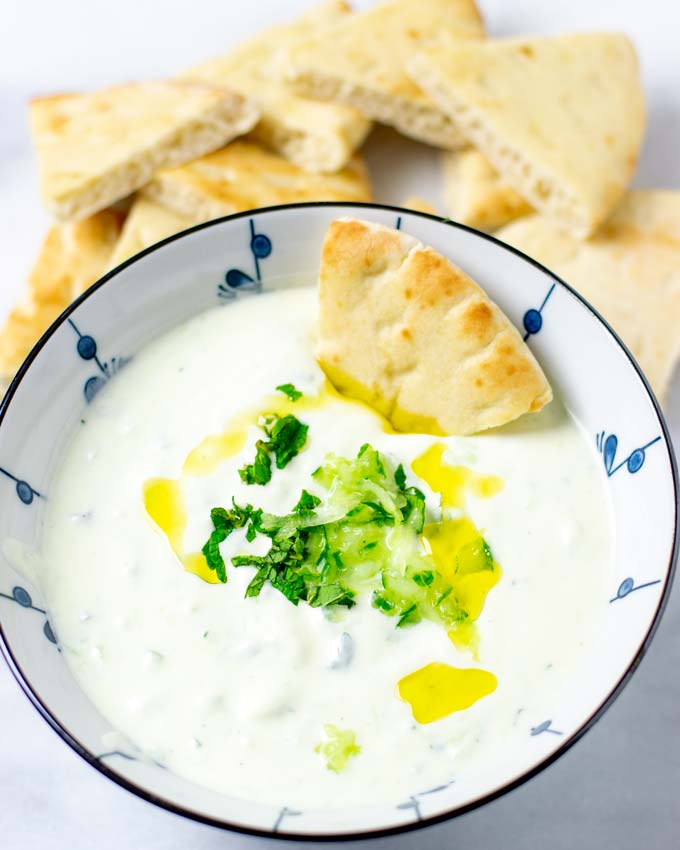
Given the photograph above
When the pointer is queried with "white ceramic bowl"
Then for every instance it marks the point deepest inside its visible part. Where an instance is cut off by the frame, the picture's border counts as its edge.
(237, 257)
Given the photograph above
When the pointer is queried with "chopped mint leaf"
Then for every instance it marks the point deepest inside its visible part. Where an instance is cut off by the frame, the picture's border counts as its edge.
(306, 503)
(290, 391)
(224, 522)
(340, 745)
(260, 471)
(213, 557)
(287, 435)
(331, 594)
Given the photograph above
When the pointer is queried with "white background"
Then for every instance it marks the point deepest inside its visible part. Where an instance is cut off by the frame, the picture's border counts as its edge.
(620, 786)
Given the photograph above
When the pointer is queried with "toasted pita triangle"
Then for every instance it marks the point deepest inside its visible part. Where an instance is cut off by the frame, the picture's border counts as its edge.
(244, 175)
(361, 62)
(629, 271)
(315, 136)
(71, 258)
(147, 223)
(561, 119)
(96, 148)
(405, 330)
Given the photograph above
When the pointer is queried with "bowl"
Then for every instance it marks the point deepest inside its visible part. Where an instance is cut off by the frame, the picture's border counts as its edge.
(238, 257)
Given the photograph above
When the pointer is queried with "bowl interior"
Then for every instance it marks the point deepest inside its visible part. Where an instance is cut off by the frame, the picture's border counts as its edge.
(237, 258)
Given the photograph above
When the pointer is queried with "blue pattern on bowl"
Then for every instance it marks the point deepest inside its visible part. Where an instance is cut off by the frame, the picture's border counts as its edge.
(23, 489)
(86, 348)
(23, 598)
(236, 280)
(608, 446)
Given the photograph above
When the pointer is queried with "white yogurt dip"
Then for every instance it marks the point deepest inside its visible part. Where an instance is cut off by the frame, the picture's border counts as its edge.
(233, 693)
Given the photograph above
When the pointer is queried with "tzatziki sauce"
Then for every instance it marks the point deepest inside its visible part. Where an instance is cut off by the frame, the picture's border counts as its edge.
(234, 693)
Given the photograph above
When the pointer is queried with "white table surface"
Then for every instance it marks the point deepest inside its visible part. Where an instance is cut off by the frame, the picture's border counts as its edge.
(620, 786)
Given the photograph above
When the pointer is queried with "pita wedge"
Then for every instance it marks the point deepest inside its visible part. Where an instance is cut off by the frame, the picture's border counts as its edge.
(476, 195)
(361, 62)
(561, 119)
(146, 224)
(72, 257)
(94, 149)
(405, 330)
(244, 176)
(316, 136)
(629, 271)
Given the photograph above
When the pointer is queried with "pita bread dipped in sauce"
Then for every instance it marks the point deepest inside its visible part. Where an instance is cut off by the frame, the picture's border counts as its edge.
(405, 330)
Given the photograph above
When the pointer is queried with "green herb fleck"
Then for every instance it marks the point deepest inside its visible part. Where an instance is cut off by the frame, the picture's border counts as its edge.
(260, 471)
(306, 503)
(290, 391)
(340, 745)
(287, 436)
(224, 522)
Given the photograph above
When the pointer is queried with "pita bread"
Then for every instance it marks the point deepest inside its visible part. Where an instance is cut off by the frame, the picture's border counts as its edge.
(561, 119)
(414, 202)
(475, 194)
(319, 137)
(629, 271)
(361, 60)
(72, 257)
(148, 223)
(96, 148)
(244, 176)
(405, 330)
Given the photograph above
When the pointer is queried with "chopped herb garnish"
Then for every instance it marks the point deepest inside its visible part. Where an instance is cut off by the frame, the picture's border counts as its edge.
(361, 535)
(260, 471)
(290, 391)
(331, 594)
(306, 503)
(287, 435)
(340, 745)
(224, 522)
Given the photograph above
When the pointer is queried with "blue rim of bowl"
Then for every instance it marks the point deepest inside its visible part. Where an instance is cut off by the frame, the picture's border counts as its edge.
(492, 795)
